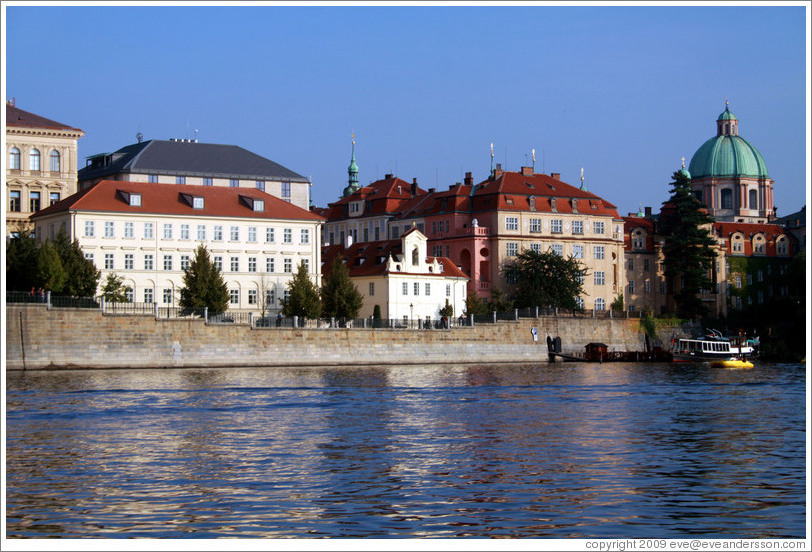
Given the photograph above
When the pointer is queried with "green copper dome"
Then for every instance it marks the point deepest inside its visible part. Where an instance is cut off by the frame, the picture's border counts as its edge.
(727, 156)
(727, 116)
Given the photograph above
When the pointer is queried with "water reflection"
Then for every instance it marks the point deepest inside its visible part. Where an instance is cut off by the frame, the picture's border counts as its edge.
(562, 450)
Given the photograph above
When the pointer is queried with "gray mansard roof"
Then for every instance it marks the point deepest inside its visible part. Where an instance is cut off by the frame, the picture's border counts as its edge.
(187, 158)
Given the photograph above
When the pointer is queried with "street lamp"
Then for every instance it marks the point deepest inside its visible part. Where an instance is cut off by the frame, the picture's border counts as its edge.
(411, 313)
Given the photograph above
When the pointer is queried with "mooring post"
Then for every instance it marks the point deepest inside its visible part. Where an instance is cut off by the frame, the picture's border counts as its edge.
(206, 315)
(472, 320)
(48, 299)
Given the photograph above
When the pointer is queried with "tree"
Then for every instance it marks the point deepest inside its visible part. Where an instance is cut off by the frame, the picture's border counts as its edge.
(81, 275)
(475, 305)
(545, 280)
(447, 310)
(21, 263)
(687, 247)
(499, 301)
(339, 296)
(203, 285)
(49, 272)
(113, 290)
(617, 304)
(303, 299)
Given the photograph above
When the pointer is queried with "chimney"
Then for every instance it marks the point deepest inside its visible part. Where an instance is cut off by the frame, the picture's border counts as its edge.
(498, 171)
(556, 176)
(527, 171)
(387, 176)
(414, 187)
(648, 213)
(432, 190)
(469, 180)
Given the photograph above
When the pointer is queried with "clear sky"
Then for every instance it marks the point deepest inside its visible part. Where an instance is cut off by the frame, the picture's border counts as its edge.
(623, 92)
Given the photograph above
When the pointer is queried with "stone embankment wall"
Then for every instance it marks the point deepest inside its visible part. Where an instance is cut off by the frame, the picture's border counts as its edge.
(38, 338)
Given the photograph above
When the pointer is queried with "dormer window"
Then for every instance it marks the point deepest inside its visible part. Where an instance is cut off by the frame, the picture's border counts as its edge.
(198, 202)
(133, 200)
(256, 205)
(259, 205)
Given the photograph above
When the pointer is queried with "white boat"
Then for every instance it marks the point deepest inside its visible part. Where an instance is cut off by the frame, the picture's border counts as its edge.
(713, 346)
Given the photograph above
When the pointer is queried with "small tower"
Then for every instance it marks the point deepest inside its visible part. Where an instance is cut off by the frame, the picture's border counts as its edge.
(493, 173)
(352, 171)
(727, 124)
(582, 179)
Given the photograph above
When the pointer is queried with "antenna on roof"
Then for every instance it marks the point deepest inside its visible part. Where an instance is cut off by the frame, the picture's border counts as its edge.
(196, 131)
(139, 137)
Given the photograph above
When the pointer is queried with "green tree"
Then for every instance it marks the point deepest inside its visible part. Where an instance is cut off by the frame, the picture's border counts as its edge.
(339, 296)
(687, 248)
(50, 275)
(114, 289)
(81, 275)
(303, 300)
(475, 305)
(447, 310)
(500, 302)
(617, 304)
(545, 280)
(21, 263)
(203, 285)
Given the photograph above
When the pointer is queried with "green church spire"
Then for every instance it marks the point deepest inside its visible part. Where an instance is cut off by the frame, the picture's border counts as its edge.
(352, 171)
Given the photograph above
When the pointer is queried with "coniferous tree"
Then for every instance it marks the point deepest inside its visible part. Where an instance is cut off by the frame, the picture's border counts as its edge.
(21, 263)
(303, 300)
(545, 280)
(114, 289)
(81, 275)
(475, 305)
(339, 296)
(50, 275)
(687, 249)
(203, 285)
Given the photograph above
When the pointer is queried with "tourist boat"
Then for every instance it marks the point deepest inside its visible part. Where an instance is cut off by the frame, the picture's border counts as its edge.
(732, 362)
(710, 347)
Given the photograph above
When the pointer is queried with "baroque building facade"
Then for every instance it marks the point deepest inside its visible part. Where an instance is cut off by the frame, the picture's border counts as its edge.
(41, 167)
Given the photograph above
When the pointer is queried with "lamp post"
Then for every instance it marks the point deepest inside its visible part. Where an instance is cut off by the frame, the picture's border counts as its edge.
(411, 313)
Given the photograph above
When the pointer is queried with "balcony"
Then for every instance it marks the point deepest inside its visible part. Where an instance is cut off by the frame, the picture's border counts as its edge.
(477, 231)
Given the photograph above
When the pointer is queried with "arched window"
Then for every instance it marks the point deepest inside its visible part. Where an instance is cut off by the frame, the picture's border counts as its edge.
(781, 245)
(727, 198)
(14, 159)
(753, 200)
(737, 243)
(415, 257)
(33, 160)
(600, 304)
(54, 161)
(758, 244)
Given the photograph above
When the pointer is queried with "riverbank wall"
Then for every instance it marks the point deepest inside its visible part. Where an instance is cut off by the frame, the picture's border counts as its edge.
(38, 338)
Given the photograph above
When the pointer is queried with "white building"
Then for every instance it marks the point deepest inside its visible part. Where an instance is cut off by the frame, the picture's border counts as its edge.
(148, 233)
(399, 277)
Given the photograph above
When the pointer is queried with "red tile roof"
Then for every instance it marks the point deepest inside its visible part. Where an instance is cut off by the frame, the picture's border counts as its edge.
(168, 199)
(16, 117)
(388, 196)
(369, 259)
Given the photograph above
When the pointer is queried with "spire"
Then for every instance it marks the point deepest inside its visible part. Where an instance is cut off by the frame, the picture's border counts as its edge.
(640, 213)
(533, 151)
(352, 171)
(582, 179)
(492, 171)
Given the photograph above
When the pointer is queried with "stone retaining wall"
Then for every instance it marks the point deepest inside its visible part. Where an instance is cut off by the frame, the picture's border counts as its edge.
(38, 338)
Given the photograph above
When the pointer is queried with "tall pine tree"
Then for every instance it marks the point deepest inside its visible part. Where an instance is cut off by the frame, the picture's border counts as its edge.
(303, 300)
(687, 248)
(82, 276)
(339, 296)
(203, 285)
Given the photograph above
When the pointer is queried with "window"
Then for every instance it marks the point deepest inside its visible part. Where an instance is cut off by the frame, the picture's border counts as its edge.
(218, 263)
(535, 247)
(167, 262)
(207, 181)
(578, 251)
(33, 160)
(758, 244)
(631, 287)
(287, 266)
(235, 233)
(148, 262)
(428, 289)
(149, 230)
(286, 190)
(558, 249)
(269, 235)
(404, 288)
(14, 159)
(129, 262)
(535, 225)
(54, 198)
(180, 180)
(781, 246)
(184, 262)
(646, 265)
(512, 249)
(305, 235)
(395, 232)
(556, 226)
(287, 235)
(252, 264)
(128, 293)
(306, 265)
(14, 201)
(760, 275)
(598, 251)
(647, 286)
(234, 183)
(631, 263)
(152, 179)
(108, 229)
(108, 261)
(753, 200)
(129, 229)
(270, 297)
(598, 227)
(269, 264)
(234, 296)
(252, 297)
(512, 223)
(416, 288)
(167, 231)
(260, 186)
(54, 161)
(638, 242)
(600, 304)
(184, 231)
(235, 264)
(448, 290)
(218, 233)
(727, 199)
(34, 201)
(371, 289)
(578, 227)
(581, 276)
(201, 232)
(599, 277)
(377, 232)
(90, 230)
(167, 296)
(148, 298)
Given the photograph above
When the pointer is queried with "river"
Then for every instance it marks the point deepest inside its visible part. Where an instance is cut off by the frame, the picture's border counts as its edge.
(563, 450)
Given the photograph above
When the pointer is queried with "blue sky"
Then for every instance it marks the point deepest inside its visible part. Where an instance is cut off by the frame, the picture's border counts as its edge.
(624, 92)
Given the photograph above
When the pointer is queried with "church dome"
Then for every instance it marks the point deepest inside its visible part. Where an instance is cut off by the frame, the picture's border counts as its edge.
(727, 154)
